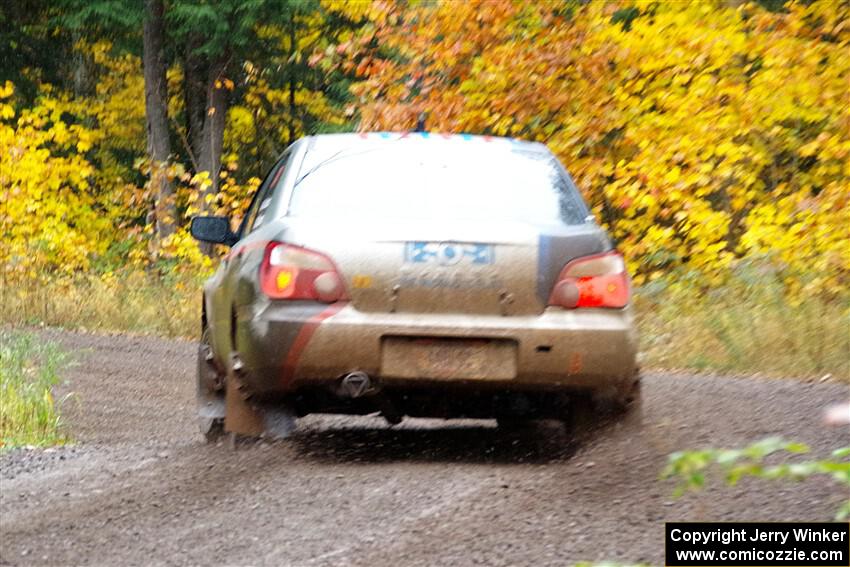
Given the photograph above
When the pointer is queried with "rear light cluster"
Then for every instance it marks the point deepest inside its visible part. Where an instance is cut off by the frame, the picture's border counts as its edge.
(593, 281)
(293, 272)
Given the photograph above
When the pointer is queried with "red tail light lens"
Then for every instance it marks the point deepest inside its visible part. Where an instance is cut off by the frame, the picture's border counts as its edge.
(293, 272)
(593, 281)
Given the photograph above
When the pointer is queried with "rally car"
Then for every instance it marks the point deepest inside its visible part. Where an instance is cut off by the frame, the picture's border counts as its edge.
(413, 274)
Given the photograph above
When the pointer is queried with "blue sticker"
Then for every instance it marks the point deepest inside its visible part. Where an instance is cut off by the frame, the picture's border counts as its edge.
(448, 253)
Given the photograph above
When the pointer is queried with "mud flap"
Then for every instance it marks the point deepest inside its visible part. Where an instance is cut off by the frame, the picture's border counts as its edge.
(244, 418)
(240, 417)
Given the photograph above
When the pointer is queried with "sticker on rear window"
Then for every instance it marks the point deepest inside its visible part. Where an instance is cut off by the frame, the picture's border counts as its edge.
(448, 253)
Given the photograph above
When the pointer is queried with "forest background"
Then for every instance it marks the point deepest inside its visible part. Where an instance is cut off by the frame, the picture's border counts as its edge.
(711, 138)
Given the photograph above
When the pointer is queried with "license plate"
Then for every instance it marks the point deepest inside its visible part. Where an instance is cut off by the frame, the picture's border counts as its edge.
(448, 359)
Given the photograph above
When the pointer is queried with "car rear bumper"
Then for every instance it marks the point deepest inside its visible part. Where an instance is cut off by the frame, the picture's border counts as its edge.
(286, 346)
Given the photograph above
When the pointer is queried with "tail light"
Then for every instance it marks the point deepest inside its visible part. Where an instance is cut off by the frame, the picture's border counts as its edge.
(593, 281)
(293, 272)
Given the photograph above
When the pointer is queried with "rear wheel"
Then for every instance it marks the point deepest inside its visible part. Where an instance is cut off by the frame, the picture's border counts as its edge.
(210, 392)
(586, 412)
(212, 428)
(628, 405)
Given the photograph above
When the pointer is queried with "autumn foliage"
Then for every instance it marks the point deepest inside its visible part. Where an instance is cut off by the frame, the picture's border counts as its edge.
(702, 133)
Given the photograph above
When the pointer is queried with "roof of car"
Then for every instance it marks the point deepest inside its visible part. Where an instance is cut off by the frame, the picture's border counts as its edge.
(342, 141)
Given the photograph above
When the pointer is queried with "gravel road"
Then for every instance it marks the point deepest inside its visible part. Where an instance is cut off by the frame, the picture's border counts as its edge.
(141, 488)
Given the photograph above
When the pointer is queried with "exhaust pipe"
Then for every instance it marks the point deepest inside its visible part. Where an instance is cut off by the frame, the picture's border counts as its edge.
(356, 384)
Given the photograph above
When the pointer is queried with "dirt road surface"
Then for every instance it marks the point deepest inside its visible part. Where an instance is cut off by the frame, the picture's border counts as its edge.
(140, 487)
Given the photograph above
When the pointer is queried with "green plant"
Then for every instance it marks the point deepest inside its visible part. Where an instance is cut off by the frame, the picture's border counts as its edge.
(29, 370)
(690, 467)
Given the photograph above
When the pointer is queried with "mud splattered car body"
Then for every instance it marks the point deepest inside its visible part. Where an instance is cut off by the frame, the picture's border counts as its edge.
(413, 274)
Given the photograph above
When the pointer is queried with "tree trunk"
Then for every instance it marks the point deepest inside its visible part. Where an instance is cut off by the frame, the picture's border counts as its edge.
(293, 47)
(194, 98)
(209, 158)
(156, 116)
(81, 76)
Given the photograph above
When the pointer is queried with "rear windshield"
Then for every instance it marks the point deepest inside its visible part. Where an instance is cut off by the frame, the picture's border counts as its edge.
(421, 180)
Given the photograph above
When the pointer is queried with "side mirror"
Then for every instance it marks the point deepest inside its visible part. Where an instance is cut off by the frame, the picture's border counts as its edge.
(212, 229)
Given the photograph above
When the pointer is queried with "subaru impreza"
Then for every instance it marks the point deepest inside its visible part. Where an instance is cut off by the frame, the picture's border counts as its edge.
(413, 274)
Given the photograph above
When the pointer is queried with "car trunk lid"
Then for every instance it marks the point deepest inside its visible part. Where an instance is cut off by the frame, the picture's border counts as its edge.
(475, 268)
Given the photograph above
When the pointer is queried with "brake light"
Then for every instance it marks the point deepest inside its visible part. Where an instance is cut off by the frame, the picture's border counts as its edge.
(593, 281)
(293, 272)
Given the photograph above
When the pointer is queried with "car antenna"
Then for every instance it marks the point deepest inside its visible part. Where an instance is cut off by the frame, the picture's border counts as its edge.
(420, 122)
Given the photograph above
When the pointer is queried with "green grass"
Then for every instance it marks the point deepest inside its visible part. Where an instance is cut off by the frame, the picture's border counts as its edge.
(744, 327)
(29, 370)
(133, 301)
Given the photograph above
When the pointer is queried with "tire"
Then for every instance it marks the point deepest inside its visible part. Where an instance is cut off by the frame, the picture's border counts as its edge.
(209, 392)
(628, 405)
(629, 409)
(211, 428)
(587, 413)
